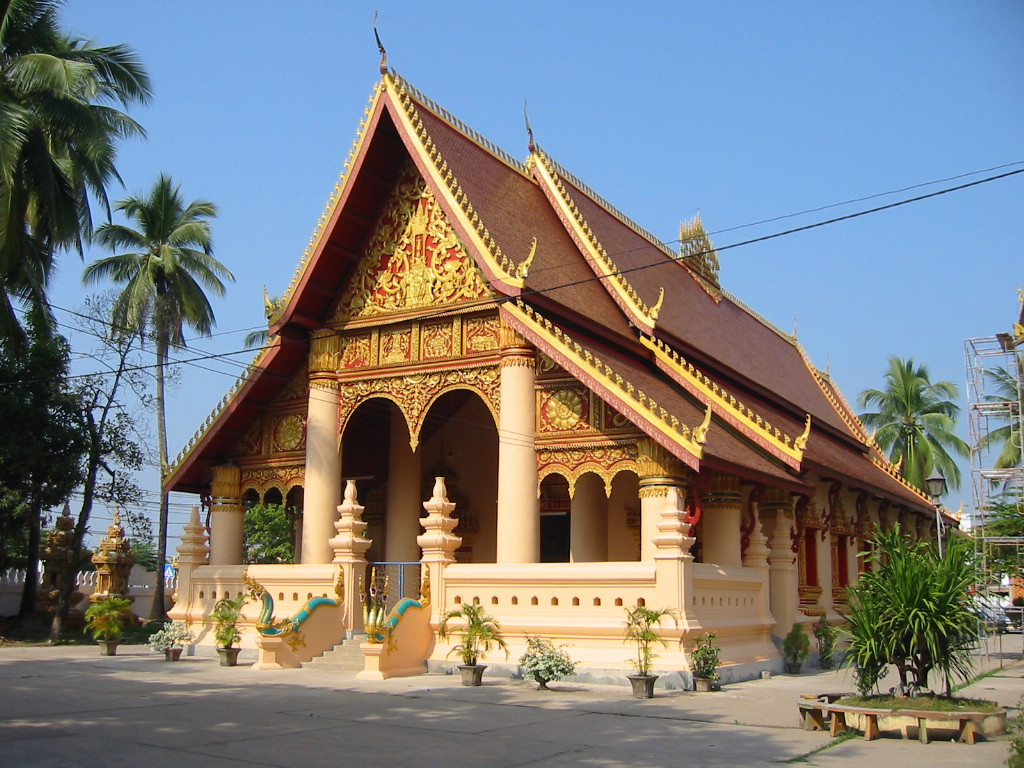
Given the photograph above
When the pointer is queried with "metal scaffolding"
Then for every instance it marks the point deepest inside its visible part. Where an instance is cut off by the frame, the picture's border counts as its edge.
(995, 394)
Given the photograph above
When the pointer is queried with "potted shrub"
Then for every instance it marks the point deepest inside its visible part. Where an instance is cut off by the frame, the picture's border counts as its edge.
(641, 624)
(227, 613)
(796, 645)
(705, 662)
(544, 662)
(171, 639)
(825, 634)
(106, 620)
(478, 633)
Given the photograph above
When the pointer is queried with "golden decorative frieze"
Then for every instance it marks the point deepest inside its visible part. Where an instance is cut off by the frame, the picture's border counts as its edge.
(357, 351)
(414, 260)
(414, 393)
(564, 410)
(283, 478)
(605, 461)
(437, 341)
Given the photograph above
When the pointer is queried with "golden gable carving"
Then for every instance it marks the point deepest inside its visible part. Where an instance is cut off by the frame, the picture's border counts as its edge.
(413, 261)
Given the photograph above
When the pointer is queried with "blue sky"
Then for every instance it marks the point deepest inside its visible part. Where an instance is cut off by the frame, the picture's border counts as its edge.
(743, 111)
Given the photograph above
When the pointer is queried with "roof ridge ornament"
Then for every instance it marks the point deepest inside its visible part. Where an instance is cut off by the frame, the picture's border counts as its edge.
(531, 145)
(380, 47)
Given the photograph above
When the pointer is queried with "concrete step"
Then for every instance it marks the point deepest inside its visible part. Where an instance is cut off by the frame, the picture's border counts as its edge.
(345, 657)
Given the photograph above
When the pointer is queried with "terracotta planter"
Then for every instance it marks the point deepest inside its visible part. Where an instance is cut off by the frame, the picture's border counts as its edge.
(643, 685)
(228, 656)
(472, 674)
(173, 654)
(703, 684)
(108, 647)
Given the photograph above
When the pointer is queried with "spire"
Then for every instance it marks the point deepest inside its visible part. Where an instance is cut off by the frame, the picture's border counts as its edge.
(380, 47)
(531, 145)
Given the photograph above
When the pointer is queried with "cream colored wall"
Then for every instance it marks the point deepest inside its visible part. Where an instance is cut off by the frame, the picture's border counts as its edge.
(623, 541)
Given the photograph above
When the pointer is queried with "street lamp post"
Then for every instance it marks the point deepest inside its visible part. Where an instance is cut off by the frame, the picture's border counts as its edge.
(935, 484)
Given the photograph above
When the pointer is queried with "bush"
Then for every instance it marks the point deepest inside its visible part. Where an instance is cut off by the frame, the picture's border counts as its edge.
(640, 629)
(174, 634)
(796, 645)
(108, 619)
(227, 612)
(913, 612)
(825, 634)
(545, 662)
(705, 658)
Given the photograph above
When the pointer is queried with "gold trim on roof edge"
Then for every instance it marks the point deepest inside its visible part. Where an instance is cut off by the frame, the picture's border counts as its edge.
(785, 447)
(500, 264)
(216, 413)
(589, 192)
(599, 257)
(668, 426)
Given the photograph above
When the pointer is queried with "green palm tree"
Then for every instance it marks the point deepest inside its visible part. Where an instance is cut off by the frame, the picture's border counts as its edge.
(59, 126)
(914, 422)
(1007, 389)
(165, 264)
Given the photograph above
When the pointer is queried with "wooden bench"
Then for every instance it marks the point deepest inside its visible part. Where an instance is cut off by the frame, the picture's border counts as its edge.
(966, 729)
(813, 710)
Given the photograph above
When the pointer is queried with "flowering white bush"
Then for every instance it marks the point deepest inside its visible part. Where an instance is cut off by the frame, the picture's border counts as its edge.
(173, 635)
(545, 662)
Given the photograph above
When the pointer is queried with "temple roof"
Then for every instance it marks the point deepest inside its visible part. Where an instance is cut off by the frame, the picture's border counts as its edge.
(646, 327)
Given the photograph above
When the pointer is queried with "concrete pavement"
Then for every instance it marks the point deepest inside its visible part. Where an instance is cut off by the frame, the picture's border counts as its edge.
(67, 707)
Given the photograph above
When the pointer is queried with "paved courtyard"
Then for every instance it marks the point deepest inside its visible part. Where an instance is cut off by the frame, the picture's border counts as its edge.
(66, 707)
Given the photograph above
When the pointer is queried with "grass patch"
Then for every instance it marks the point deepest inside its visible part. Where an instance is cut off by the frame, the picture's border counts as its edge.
(923, 703)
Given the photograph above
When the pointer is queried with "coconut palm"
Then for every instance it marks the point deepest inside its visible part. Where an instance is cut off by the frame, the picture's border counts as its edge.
(59, 127)
(914, 422)
(165, 264)
(1007, 390)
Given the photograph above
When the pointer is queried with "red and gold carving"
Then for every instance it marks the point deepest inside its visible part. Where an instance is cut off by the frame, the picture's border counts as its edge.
(482, 334)
(437, 341)
(413, 261)
(357, 352)
(289, 433)
(396, 346)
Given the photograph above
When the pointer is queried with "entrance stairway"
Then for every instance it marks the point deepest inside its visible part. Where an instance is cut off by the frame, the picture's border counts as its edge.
(344, 657)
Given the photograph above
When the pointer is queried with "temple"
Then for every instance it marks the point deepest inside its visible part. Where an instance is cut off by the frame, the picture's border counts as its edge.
(488, 380)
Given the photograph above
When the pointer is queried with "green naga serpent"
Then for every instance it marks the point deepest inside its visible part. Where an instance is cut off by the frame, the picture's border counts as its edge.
(289, 629)
(379, 625)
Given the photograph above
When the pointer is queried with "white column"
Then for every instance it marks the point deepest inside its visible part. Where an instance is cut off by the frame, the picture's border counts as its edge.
(323, 471)
(588, 521)
(404, 502)
(518, 528)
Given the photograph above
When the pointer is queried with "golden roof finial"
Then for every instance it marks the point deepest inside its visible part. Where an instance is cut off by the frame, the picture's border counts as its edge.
(380, 47)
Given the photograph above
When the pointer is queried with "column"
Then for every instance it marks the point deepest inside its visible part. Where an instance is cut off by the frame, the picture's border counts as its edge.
(227, 516)
(663, 479)
(722, 505)
(783, 580)
(323, 470)
(404, 501)
(518, 528)
(588, 521)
